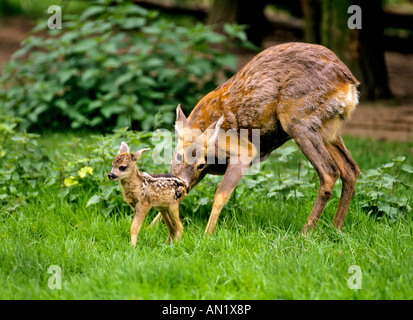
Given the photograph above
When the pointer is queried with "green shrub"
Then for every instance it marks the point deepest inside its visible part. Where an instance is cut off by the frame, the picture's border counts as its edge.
(21, 163)
(376, 189)
(114, 65)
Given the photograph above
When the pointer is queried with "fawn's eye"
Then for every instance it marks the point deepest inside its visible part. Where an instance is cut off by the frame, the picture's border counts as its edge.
(122, 168)
(201, 166)
(179, 158)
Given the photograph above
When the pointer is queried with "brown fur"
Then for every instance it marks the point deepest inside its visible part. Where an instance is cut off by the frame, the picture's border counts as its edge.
(293, 90)
(143, 192)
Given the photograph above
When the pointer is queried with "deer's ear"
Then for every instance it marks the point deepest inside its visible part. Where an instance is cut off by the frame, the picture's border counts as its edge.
(136, 156)
(215, 127)
(124, 148)
(210, 135)
(181, 121)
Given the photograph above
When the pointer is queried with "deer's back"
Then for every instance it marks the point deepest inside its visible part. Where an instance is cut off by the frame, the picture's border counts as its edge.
(162, 189)
(296, 80)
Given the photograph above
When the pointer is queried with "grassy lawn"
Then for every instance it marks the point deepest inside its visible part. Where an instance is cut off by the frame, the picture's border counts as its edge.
(256, 251)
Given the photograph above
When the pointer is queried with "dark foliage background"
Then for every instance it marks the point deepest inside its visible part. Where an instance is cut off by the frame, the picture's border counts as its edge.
(114, 65)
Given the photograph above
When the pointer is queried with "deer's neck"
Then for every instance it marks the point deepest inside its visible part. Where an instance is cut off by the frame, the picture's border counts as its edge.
(208, 110)
(133, 183)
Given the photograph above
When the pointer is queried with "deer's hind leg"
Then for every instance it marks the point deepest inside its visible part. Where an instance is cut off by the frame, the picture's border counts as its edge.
(168, 221)
(155, 221)
(178, 228)
(171, 217)
(312, 145)
(349, 172)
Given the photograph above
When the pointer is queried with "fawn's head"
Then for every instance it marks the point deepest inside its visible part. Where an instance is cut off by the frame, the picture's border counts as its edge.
(124, 164)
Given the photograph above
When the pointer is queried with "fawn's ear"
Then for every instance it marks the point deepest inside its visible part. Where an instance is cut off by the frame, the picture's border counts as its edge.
(124, 148)
(138, 154)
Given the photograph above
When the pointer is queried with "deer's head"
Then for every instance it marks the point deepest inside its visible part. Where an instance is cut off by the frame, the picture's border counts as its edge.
(194, 151)
(124, 164)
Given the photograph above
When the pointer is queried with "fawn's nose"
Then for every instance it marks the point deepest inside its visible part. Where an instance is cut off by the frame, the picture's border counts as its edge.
(111, 176)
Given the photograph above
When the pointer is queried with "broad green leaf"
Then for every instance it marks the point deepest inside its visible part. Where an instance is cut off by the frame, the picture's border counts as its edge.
(85, 45)
(92, 11)
(388, 165)
(109, 110)
(65, 74)
(94, 200)
(399, 159)
(372, 173)
(107, 191)
(123, 78)
(90, 75)
(132, 23)
(407, 168)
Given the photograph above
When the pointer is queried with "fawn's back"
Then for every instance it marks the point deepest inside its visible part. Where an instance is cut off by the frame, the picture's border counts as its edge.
(283, 85)
(161, 190)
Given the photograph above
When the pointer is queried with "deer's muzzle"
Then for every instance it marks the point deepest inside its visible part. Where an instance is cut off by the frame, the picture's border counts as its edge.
(112, 176)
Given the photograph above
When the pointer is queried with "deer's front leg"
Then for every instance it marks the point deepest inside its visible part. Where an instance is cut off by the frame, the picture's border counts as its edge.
(232, 176)
(139, 214)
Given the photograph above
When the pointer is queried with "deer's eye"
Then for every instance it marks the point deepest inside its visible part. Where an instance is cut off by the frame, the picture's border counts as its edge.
(179, 158)
(201, 166)
(122, 168)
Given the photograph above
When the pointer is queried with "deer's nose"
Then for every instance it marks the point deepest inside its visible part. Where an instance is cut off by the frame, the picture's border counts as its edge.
(111, 176)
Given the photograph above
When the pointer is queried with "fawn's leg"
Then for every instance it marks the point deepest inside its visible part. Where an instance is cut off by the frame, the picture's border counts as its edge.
(349, 172)
(311, 144)
(169, 223)
(140, 212)
(155, 221)
(173, 211)
(232, 176)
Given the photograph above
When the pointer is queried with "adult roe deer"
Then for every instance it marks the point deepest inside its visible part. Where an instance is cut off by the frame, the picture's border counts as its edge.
(293, 90)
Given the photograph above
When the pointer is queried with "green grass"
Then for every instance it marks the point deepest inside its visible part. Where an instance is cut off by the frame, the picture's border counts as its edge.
(256, 251)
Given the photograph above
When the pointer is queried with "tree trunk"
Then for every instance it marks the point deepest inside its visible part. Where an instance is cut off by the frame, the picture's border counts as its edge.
(360, 49)
(250, 13)
(372, 63)
(312, 20)
(223, 11)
